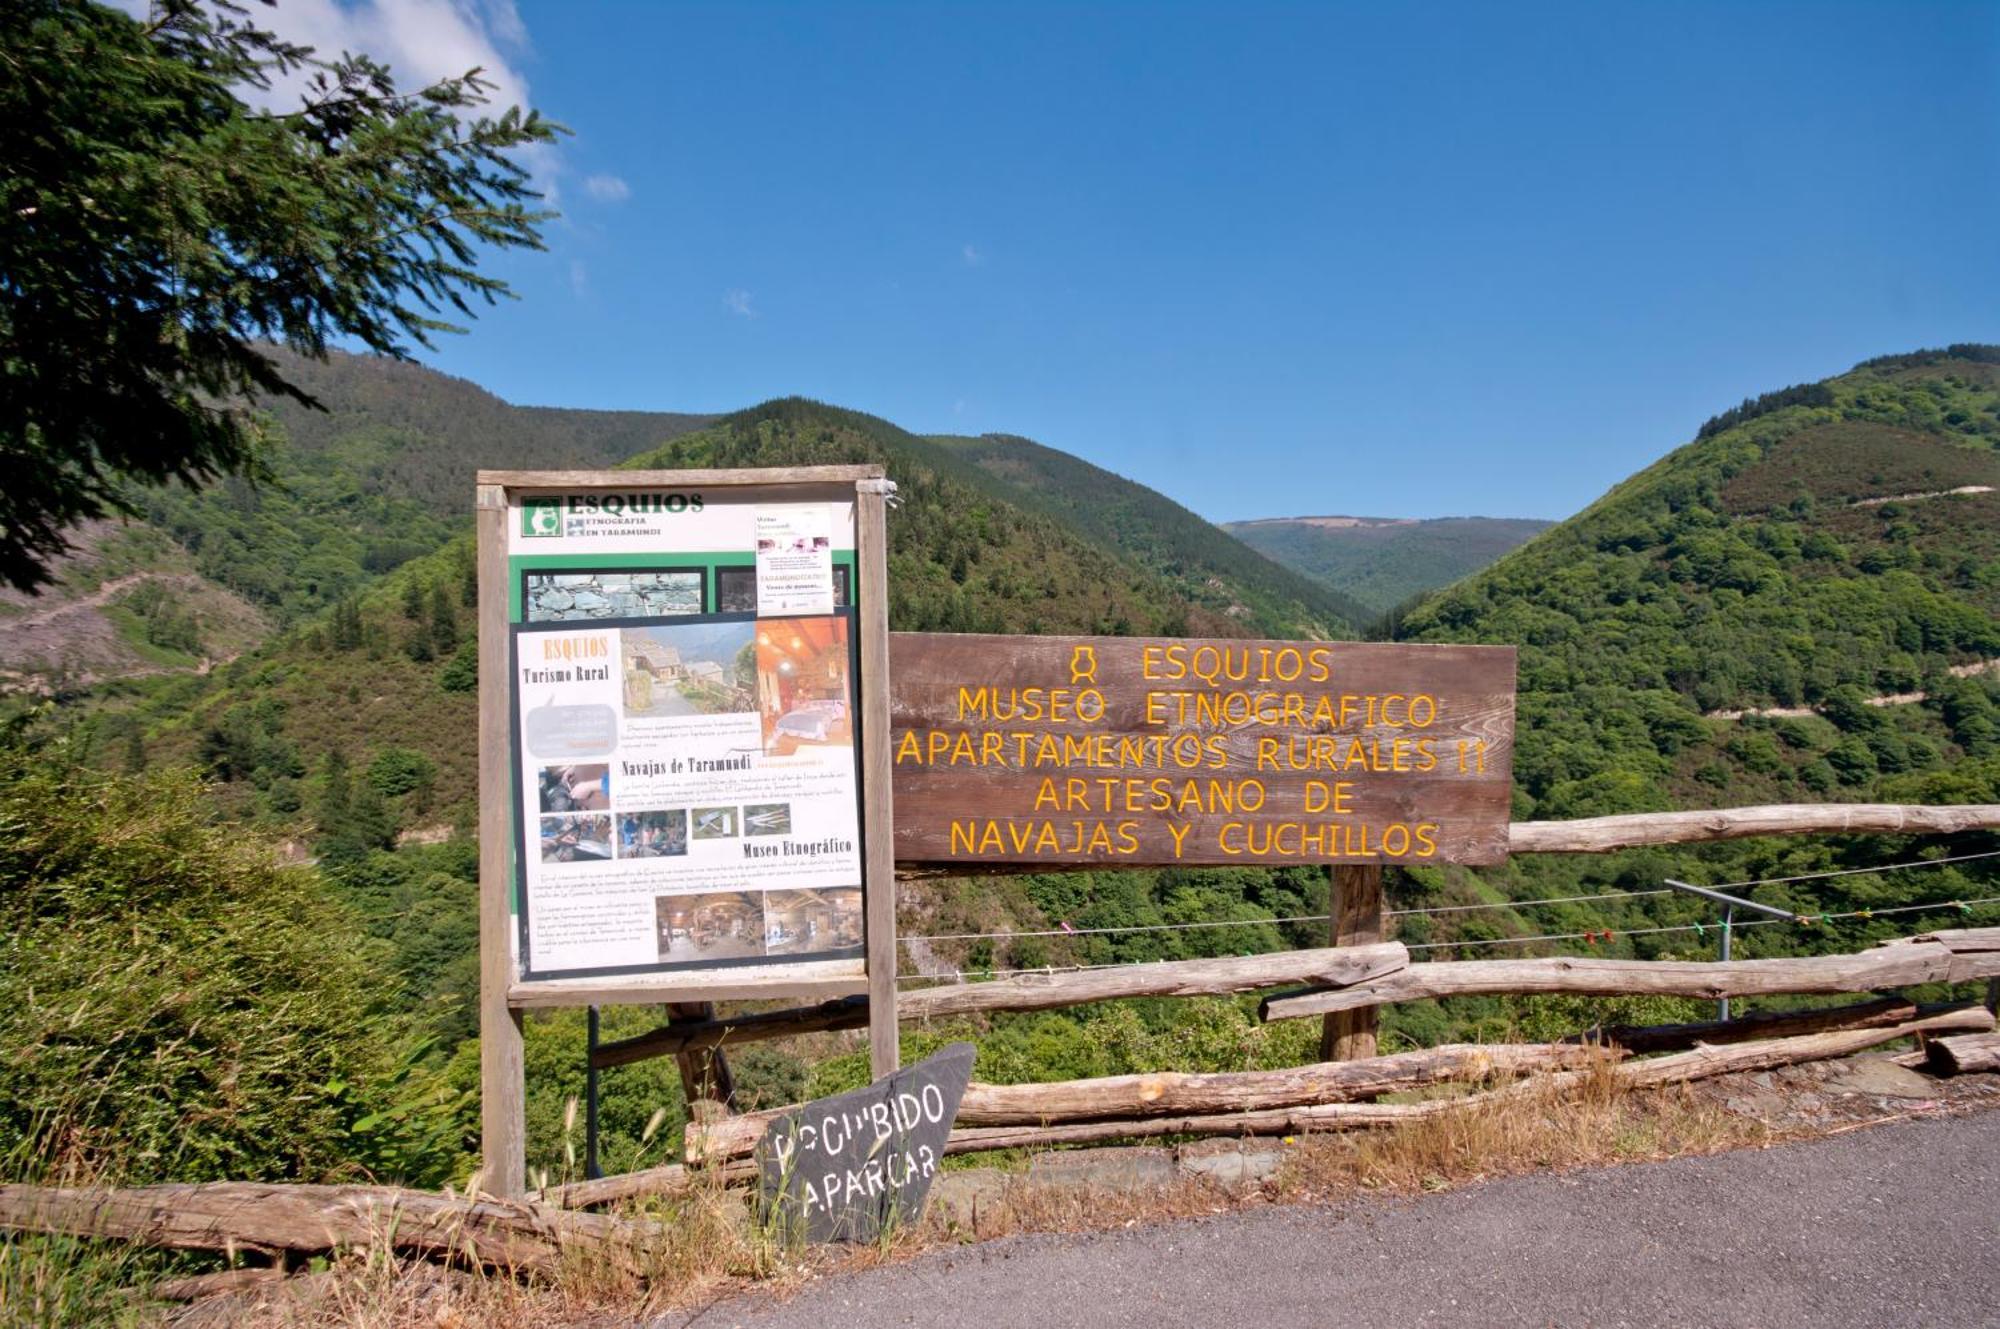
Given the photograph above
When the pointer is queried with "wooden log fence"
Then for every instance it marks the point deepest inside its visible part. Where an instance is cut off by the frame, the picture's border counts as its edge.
(1361, 977)
(1323, 1097)
(1699, 1064)
(534, 1238)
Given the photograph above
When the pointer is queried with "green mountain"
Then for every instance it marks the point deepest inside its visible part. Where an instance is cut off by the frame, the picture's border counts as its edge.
(1384, 561)
(1150, 527)
(1809, 551)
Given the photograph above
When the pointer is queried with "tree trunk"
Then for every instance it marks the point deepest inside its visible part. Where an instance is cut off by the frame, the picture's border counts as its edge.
(1703, 1062)
(1242, 1091)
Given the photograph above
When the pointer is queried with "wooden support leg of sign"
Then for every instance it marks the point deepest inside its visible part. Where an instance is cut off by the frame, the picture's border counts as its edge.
(705, 1076)
(503, 1124)
(1355, 903)
(877, 769)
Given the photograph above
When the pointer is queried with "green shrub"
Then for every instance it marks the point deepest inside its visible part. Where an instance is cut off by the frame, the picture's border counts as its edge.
(175, 1005)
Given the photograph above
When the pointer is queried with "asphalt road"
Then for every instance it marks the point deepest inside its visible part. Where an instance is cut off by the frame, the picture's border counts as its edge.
(1896, 1225)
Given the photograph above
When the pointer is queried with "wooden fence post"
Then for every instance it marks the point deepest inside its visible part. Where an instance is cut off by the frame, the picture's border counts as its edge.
(503, 1146)
(1354, 901)
(871, 552)
(705, 1076)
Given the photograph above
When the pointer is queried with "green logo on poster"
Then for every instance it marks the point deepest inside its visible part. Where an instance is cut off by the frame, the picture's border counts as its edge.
(541, 516)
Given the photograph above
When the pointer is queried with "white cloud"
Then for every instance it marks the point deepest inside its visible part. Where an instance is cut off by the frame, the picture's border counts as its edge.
(503, 20)
(579, 278)
(973, 256)
(607, 188)
(737, 301)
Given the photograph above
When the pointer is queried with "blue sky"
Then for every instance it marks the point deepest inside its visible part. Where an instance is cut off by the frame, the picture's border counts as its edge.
(1394, 260)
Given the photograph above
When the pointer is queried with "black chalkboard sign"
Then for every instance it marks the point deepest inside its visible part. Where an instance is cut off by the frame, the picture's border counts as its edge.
(846, 1167)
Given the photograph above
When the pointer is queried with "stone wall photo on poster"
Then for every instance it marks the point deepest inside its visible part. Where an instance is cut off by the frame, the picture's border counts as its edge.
(584, 594)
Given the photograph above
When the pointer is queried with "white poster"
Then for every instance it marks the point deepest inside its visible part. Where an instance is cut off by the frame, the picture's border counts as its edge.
(794, 559)
(688, 793)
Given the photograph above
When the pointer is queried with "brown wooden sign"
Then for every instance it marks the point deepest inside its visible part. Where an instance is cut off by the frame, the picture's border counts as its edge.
(1160, 751)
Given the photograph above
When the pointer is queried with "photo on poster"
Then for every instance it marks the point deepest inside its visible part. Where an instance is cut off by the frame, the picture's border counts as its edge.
(703, 929)
(767, 818)
(586, 594)
(653, 834)
(575, 788)
(802, 922)
(736, 589)
(802, 684)
(715, 823)
(681, 669)
(576, 838)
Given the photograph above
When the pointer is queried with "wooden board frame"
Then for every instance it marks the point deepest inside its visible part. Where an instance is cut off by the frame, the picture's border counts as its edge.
(502, 994)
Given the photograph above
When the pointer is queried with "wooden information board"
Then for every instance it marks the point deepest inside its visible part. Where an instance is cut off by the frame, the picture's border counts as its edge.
(683, 794)
(1161, 751)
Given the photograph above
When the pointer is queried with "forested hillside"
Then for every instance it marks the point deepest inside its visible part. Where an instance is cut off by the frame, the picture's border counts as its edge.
(1110, 552)
(1384, 561)
(1146, 525)
(381, 475)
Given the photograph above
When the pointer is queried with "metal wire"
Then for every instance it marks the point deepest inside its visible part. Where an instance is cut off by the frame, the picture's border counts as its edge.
(1295, 918)
(1854, 872)
(1932, 905)
(1135, 928)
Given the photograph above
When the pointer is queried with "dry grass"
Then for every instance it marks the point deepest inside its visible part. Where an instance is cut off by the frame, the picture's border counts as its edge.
(1594, 1121)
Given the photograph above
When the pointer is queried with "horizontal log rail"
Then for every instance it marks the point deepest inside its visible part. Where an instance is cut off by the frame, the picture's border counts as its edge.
(507, 1235)
(1977, 1051)
(705, 1035)
(1164, 978)
(1937, 957)
(1602, 835)
(1642, 1039)
(1699, 1064)
(1168, 1092)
